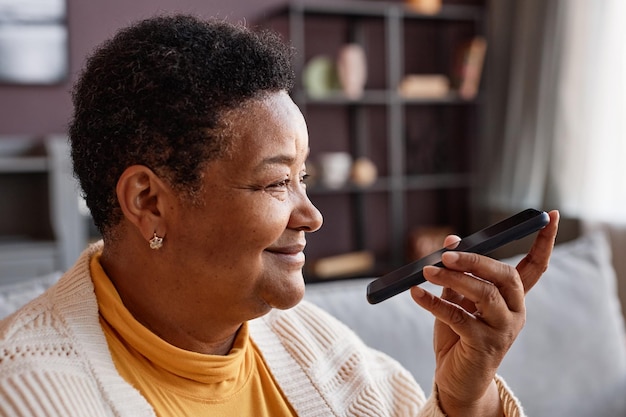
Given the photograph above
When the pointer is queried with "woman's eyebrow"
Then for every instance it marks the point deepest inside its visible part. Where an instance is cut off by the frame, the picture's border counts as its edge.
(280, 159)
(283, 159)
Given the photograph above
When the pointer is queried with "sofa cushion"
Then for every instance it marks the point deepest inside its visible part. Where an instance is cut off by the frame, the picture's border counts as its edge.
(15, 294)
(569, 360)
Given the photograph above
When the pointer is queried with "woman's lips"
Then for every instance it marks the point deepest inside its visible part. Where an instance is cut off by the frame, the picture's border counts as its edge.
(293, 254)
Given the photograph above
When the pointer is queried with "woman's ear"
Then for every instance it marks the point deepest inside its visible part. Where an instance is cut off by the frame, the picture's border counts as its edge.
(142, 196)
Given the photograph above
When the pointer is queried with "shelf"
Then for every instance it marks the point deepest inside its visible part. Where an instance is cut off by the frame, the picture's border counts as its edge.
(451, 98)
(439, 181)
(371, 97)
(24, 258)
(411, 182)
(22, 155)
(448, 12)
(379, 9)
(41, 227)
(24, 164)
(379, 97)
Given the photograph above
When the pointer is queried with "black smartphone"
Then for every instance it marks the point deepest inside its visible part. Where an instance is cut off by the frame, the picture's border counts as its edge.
(483, 242)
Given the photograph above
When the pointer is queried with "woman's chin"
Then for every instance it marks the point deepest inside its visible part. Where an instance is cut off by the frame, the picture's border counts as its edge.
(288, 293)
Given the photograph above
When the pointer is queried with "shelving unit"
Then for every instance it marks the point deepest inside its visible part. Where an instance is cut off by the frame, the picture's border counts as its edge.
(41, 228)
(421, 146)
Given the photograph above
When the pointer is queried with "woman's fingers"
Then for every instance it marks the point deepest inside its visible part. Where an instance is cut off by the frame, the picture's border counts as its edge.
(535, 263)
(451, 241)
(484, 289)
(507, 280)
(485, 281)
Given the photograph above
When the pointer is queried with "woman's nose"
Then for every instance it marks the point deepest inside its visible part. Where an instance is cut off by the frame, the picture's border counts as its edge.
(305, 215)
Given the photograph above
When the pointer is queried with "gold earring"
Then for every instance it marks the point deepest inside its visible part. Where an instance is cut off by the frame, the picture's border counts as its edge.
(156, 242)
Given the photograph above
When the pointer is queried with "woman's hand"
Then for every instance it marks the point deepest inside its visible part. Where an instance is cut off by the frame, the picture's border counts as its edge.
(478, 316)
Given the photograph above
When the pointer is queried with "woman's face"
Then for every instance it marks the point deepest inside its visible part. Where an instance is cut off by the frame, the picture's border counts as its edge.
(241, 250)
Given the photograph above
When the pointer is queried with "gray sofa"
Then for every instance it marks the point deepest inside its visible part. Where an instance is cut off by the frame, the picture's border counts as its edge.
(570, 359)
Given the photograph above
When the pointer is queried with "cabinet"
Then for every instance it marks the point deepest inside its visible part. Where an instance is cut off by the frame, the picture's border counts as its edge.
(42, 229)
(422, 147)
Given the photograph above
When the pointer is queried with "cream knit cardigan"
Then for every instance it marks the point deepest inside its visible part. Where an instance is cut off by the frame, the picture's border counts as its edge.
(54, 361)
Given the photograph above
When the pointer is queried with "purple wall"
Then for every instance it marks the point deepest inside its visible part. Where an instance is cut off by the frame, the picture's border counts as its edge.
(40, 110)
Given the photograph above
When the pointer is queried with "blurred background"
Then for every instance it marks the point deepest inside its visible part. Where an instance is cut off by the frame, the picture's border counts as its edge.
(425, 117)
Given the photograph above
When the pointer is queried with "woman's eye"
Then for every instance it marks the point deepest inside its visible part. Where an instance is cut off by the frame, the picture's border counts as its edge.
(284, 184)
(281, 184)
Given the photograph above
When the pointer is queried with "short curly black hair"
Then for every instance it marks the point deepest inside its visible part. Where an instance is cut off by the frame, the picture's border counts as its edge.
(154, 95)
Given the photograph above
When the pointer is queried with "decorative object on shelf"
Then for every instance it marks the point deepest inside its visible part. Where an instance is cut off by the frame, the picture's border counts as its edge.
(424, 86)
(364, 172)
(469, 67)
(352, 70)
(346, 264)
(319, 77)
(425, 6)
(335, 168)
(313, 174)
(425, 240)
(33, 42)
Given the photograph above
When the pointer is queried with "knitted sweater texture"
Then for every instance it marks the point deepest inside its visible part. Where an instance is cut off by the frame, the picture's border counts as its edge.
(54, 361)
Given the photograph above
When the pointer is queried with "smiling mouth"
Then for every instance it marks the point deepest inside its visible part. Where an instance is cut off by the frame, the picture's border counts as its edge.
(289, 254)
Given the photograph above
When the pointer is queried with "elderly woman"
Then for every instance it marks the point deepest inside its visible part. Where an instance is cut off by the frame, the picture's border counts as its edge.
(191, 156)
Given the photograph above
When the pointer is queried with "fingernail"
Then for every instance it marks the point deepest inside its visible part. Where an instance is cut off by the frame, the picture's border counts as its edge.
(418, 292)
(451, 256)
(432, 270)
